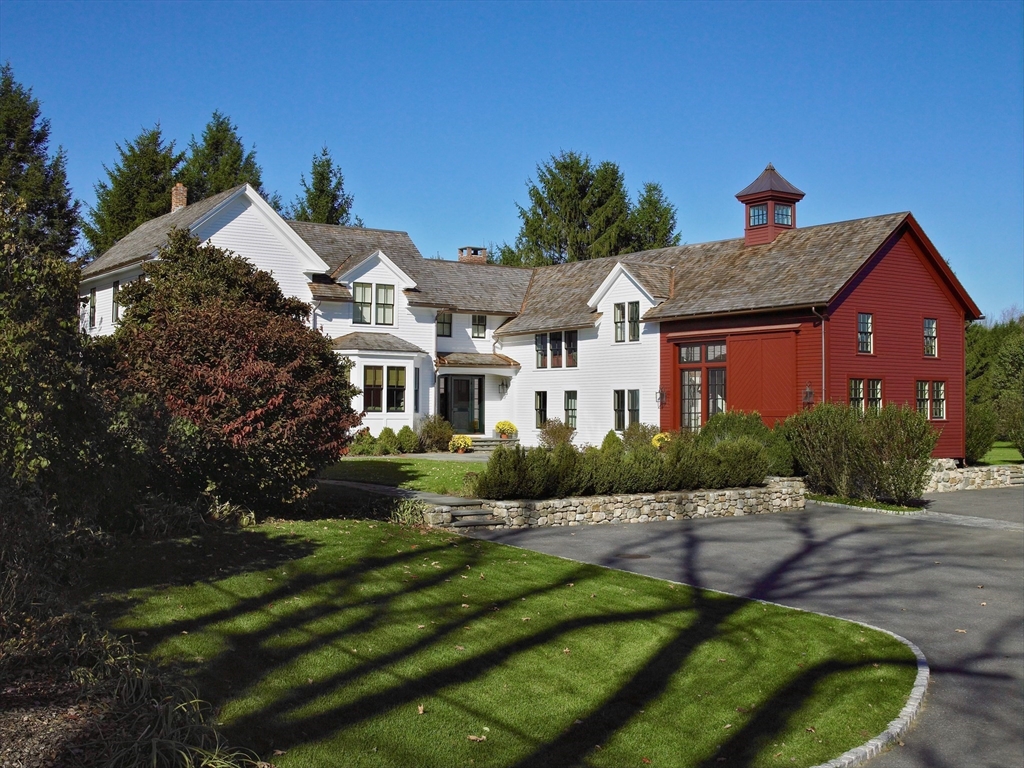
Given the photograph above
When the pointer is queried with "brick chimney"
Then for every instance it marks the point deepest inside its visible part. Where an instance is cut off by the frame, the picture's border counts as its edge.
(770, 205)
(473, 254)
(179, 197)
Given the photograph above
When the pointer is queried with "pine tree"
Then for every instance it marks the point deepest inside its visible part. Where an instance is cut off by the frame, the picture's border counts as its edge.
(323, 200)
(653, 220)
(138, 189)
(48, 216)
(579, 211)
(220, 162)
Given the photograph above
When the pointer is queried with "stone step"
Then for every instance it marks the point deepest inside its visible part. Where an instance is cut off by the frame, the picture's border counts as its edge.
(466, 522)
(474, 512)
(490, 443)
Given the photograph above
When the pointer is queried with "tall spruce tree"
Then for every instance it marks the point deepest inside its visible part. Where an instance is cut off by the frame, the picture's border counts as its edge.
(47, 215)
(220, 162)
(323, 199)
(138, 189)
(653, 220)
(580, 211)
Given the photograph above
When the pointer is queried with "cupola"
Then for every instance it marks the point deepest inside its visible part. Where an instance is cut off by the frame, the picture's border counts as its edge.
(770, 207)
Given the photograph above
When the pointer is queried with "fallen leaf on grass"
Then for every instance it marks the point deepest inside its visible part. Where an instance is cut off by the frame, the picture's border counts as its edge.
(647, 760)
(526, 618)
(459, 648)
(279, 752)
(962, 631)
(465, 605)
(721, 659)
(729, 725)
(476, 738)
(566, 651)
(419, 709)
(421, 626)
(810, 730)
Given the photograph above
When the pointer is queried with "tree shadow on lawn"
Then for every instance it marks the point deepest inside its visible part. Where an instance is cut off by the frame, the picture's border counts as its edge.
(261, 637)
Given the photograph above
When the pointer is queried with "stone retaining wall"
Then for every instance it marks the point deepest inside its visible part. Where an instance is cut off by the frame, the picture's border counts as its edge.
(947, 476)
(777, 495)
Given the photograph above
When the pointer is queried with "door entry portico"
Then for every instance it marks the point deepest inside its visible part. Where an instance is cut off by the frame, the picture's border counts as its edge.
(461, 402)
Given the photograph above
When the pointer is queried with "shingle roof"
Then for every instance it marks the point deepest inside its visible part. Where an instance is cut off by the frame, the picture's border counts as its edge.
(330, 292)
(344, 247)
(656, 279)
(801, 267)
(374, 342)
(770, 180)
(142, 241)
(470, 359)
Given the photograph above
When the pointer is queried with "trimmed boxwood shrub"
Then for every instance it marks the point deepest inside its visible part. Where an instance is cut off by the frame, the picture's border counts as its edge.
(981, 431)
(408, 441)
(435, 433)
(734, 424)
(898, 444)
(387, 442)
(503, 477)
(737, 463)
(638, 435)
(828, 442)
(363, 443)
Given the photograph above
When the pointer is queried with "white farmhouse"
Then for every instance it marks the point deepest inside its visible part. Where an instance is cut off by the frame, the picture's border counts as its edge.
(474, 342)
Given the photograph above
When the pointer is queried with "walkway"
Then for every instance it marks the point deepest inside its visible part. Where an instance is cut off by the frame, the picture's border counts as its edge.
(958, 567)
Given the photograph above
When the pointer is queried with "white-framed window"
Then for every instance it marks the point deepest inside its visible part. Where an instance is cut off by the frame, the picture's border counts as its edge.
(362, 303)
(479, 326)
(373, 388)
(634, 321)
(540, 407)
(634, 406)
(540, 343)
(570, 408)
(115, 309)
(571, 349)
(619, 409)
(416, 389)
(931, 399)
(555, 340)
(385, 305)
(620, 322)
(444, 324)
(865, 333)
(931, 337)
(396, 390)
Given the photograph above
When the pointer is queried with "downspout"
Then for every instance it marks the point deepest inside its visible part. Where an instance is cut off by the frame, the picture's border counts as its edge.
(822, 318)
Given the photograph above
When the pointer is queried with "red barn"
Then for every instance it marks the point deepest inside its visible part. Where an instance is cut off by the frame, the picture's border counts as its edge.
(865, 312)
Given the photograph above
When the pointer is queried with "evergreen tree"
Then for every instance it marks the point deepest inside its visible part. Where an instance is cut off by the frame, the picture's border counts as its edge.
(220, 162)
(323, 200)
(580, 211)
(48, 217)
(138, 189)
(653, 220)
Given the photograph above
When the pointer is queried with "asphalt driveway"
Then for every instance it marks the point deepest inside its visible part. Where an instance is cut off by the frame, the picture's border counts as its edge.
(959, 566)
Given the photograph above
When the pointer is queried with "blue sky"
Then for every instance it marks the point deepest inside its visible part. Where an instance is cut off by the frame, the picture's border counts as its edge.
(438, 113)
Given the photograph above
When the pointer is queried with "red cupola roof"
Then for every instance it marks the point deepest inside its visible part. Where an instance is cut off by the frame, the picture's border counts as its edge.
(770, 206)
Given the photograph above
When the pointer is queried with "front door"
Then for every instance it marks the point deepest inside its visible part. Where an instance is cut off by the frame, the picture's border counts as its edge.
(460, 400)
(462, 404)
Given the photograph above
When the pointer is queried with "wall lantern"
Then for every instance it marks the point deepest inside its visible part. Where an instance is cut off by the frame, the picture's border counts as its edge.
(661, 397)
(808, 396)
(502, 387)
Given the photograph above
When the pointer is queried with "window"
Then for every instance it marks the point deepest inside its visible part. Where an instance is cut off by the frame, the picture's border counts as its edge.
(92, 308)
(874, 404)
(619, 408)
(689, 353)
(634, 406)
(385, 305)
(571, 341)
(857, 394)
(373, 385)
(540, 341)
(416, 389)
(115, 313)
(570, 408)
(691, 399)
(784, 215)
(444, 324)
(923, 397)
(931, 338)
(362, 297)
(556, 349)
(396, 390)
(634, 321)
(620, 322)
(540, 405)
(716, 352)
(938, 400)
(479, 326)
(701, 385)
(865, 333)
(716, 390)
(758, 214)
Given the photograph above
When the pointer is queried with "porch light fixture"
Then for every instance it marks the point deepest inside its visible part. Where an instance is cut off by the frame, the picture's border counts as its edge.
(661, 397)
(502, 387)
(808, 396)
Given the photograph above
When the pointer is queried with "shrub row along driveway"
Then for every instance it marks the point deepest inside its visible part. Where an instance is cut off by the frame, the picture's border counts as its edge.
(951, 581)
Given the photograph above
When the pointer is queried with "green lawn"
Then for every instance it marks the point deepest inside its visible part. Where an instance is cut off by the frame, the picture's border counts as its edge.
(345, 642)
(446, 477)
(1002, 453)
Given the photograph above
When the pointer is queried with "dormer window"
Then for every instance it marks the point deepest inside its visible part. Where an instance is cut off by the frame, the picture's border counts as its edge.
(784, 215)
(758, 215)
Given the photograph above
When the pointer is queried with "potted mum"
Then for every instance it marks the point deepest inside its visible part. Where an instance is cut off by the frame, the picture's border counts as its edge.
(505, 429)
(460, 444)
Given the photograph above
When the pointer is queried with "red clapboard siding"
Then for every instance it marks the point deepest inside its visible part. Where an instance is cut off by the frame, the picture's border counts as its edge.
(900, 288)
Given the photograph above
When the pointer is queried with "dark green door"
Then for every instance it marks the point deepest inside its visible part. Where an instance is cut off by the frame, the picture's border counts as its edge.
(462, 403)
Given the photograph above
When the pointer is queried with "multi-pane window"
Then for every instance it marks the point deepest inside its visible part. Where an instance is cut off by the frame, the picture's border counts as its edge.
(865, 333)
(556, 349)
(689, 353)
(758, 215)
(634, 321)
(923, 397)
(716, 391)
(784, 215)
(92, 308)
(416, 389)
(874, 403)
(540, 407)
(571, 343)
(702, 382)
(373, 388)
(619, 408)
(716, 352)
(938, 399)
(479, 326)
(857, 394)
(620, 322)
(540, 343)
(362, 303)
(444, 324)
(691, 399)
(931, 337)
(385, 305)
(115, 311)
(570, 408)
(396, 390)
(634, 406)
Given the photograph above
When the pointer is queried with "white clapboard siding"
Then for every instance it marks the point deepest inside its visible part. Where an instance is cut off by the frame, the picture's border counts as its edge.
(462, 339)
